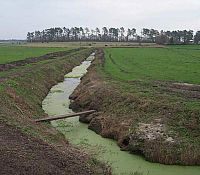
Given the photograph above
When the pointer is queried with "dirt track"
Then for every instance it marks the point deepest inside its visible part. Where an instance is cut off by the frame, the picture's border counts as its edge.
(21, 154)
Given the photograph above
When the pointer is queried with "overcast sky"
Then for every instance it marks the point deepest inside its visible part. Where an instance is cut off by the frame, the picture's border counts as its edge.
(17, 17)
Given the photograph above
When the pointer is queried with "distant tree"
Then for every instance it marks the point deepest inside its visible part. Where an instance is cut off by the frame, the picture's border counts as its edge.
(64, 34)
(60, 34)
(139, 39)
(175, 37)
(51, 34)
(82, 33)
(116, 34)
(68, 33)
(57, 34)
(162, 39)
(153, 34)
(97, 33)
(76, 33)
(145, 32)
(36, 36)
(29, 39)
(128, 34)
(105, 33)
(44, 36)
(150, 34)
(92, 36)
(73, 33)
(197, 38)
(122, 30)
(133, 32)
(87, 31)
(112, 34)
(187, 36)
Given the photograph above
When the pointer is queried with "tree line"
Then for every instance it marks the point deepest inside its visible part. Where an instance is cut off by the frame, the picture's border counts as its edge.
(105, 34)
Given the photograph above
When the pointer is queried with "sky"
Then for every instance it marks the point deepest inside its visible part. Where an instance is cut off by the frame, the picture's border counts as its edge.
(17, 17)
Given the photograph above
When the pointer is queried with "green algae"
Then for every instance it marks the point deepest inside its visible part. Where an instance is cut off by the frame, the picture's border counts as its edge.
(103, 149)
(70, 76)
(56, 91)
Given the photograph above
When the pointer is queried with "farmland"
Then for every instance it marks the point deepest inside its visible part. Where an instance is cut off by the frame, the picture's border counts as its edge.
(168, 64)
(9, 53)
(100, 87)
(134, 89)
(190, 47)
(164, 77)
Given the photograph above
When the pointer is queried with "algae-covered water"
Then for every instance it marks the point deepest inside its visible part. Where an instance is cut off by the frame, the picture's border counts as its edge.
(57, 103)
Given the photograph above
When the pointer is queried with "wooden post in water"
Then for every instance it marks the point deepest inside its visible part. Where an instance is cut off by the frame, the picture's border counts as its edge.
(51, 118)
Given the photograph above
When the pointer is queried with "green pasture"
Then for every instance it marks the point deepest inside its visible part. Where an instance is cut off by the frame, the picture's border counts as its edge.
(191, 46)
(168, 64)
(9, 53)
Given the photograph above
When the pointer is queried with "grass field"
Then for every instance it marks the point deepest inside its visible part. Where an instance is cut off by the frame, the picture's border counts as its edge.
(150, 75)
(9, 53)
(192, 46)
(169, 64)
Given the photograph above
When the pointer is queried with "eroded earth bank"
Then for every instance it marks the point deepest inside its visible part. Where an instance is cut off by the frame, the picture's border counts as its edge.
(155, 127)
(27, 147)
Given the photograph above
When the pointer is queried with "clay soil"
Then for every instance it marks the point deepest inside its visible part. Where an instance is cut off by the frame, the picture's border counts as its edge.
(22, 154)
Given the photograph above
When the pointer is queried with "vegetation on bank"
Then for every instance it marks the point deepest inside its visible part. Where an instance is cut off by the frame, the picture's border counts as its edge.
(22, 91)
(9, 53)
(153, 116)
(151, 75)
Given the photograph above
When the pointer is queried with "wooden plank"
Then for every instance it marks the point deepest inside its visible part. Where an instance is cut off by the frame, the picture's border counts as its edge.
(51, 118)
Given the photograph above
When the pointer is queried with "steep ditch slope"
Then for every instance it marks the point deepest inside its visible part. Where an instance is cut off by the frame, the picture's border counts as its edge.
(139, 124)
(30, 148)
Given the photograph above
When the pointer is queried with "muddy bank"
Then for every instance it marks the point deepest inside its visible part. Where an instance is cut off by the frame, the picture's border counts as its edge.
(22, 154)
(138, 124)
(30, 148)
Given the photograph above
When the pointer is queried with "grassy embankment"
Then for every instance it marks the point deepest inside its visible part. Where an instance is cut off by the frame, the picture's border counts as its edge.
(9, 53)
(149, 74)
(28, 85)
(23, 89)
(143, 102)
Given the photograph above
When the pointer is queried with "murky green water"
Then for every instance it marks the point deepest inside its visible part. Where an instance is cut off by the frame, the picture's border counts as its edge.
(57, 102)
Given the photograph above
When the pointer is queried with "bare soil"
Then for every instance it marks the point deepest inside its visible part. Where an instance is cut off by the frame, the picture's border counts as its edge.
(22, 154)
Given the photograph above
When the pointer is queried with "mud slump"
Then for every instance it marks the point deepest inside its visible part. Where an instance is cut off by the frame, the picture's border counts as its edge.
(57, 102)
